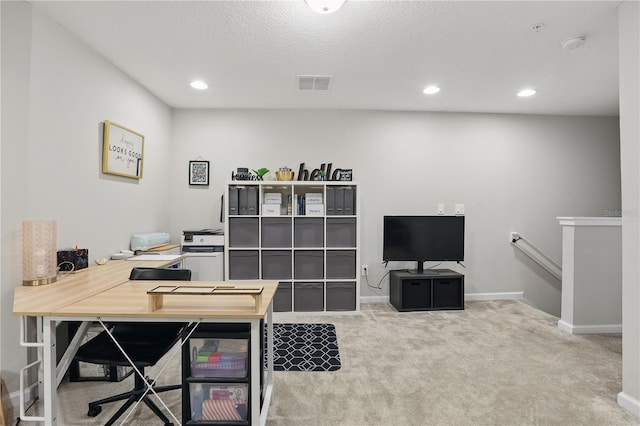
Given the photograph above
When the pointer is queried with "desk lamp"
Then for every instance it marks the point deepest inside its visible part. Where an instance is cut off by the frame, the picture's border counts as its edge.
(39, 252)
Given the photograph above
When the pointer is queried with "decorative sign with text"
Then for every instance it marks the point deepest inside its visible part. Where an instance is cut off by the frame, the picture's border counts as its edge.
(122, 151)
(325, 172)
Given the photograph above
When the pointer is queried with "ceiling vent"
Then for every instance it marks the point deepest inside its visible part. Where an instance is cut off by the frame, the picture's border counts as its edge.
(314, 82)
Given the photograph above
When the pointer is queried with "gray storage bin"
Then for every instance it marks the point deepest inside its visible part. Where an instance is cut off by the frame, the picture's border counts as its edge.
(308, 232)
(308, 297)
(243, 232)
(276, 265)
(276, 232)
(341, 232)
(308, 264)
(341, 264)
(282, 299)
(244, 265)
(341, 296)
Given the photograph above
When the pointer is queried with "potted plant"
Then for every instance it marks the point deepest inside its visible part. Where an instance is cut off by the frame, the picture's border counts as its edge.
(261, 172)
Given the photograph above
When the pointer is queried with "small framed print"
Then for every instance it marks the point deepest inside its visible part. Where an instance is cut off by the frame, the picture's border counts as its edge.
(198, 173)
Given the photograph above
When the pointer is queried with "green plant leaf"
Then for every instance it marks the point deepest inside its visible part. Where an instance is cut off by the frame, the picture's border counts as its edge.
(262, 171)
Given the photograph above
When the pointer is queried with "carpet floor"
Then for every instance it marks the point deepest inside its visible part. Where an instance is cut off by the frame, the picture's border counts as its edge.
(494, 363)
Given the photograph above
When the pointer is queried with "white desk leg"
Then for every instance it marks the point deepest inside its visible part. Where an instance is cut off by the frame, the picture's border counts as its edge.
(256, 370)
(268, 385)
(49, 382)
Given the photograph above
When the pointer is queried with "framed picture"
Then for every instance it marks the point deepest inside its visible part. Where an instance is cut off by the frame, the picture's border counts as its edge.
(122, 151)
(198, 172)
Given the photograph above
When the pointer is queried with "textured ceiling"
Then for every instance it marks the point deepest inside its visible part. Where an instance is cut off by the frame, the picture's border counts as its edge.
(381, 53)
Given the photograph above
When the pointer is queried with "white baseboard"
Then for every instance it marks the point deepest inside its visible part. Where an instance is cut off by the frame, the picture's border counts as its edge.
(629, 403)
(374, 299)
(468, 297)
(590, 329)
(513, 295)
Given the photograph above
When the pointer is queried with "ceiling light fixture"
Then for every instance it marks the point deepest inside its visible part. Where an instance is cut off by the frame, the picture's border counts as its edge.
(431, 90)
(573, 42)
(200, 85)
(325, 6)
(526, 93)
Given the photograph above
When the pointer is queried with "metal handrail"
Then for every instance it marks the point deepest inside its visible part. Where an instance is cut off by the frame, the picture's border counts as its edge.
(536, 254)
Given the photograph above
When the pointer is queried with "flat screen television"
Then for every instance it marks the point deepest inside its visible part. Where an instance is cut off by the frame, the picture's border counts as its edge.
(423, 238)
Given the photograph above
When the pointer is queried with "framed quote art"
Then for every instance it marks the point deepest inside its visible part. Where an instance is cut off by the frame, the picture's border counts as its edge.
(198, 172)
(123, 151)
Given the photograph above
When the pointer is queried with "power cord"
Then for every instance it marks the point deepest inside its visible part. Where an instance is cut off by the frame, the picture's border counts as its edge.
(379, 286)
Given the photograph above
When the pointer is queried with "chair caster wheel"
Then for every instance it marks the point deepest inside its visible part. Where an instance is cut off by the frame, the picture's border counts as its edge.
(94, 410)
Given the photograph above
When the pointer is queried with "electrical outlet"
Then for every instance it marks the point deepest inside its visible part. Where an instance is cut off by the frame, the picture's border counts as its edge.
(365, 270)
(440, 208)
(459, 208)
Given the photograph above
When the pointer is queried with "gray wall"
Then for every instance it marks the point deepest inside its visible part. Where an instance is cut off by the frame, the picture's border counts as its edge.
(512, 172)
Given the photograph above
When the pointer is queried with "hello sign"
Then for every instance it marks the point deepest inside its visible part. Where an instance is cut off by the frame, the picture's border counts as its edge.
(325, 172)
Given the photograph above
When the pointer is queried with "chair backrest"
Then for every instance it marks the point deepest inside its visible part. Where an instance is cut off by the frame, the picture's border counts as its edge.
(171, 274)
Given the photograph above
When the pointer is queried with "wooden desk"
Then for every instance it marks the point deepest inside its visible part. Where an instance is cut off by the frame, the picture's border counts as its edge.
(74, 287)
(106, 293)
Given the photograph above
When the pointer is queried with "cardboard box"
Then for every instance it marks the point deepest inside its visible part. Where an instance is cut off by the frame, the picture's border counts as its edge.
(314, 210)
(272, 198)
(271, 209)
(313, 198)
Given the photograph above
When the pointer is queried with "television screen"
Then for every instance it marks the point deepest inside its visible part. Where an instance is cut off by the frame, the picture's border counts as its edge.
(422, 238)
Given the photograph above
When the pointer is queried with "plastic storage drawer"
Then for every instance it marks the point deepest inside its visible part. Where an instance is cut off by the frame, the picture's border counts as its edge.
(213, 402)
(218, 357)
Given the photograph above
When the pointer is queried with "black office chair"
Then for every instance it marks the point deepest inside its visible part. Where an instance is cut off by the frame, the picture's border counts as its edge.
(145, 343)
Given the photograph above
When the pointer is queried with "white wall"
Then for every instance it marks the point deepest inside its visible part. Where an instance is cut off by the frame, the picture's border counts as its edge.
(629, 54)
(56, 92)
(512, 172)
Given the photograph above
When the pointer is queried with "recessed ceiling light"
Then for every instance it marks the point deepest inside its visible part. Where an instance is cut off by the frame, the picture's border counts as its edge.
(430, 90)
(526, 92)
(198, 84)
(325, 6)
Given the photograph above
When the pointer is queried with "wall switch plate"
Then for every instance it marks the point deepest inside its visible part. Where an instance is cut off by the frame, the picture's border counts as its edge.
(459, 208)
(440, 208)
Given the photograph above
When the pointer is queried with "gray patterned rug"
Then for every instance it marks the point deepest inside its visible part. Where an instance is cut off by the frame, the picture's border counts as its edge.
(305, 347)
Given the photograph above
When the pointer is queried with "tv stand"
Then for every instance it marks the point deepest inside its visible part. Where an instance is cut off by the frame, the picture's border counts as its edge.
(424, 272)
(433, 289)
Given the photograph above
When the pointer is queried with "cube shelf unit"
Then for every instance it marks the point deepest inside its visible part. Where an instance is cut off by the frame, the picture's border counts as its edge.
(304, 234)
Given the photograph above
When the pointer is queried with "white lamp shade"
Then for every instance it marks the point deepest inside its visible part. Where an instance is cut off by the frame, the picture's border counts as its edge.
(39, 256)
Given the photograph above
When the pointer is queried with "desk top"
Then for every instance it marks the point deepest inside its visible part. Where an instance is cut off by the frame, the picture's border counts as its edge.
(106, 291)
(71, 288)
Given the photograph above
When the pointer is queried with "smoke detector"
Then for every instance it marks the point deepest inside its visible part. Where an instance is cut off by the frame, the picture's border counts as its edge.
(573, 42)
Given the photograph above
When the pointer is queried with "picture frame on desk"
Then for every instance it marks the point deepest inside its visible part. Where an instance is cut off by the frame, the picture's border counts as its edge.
(198, 172)
(122, 151)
